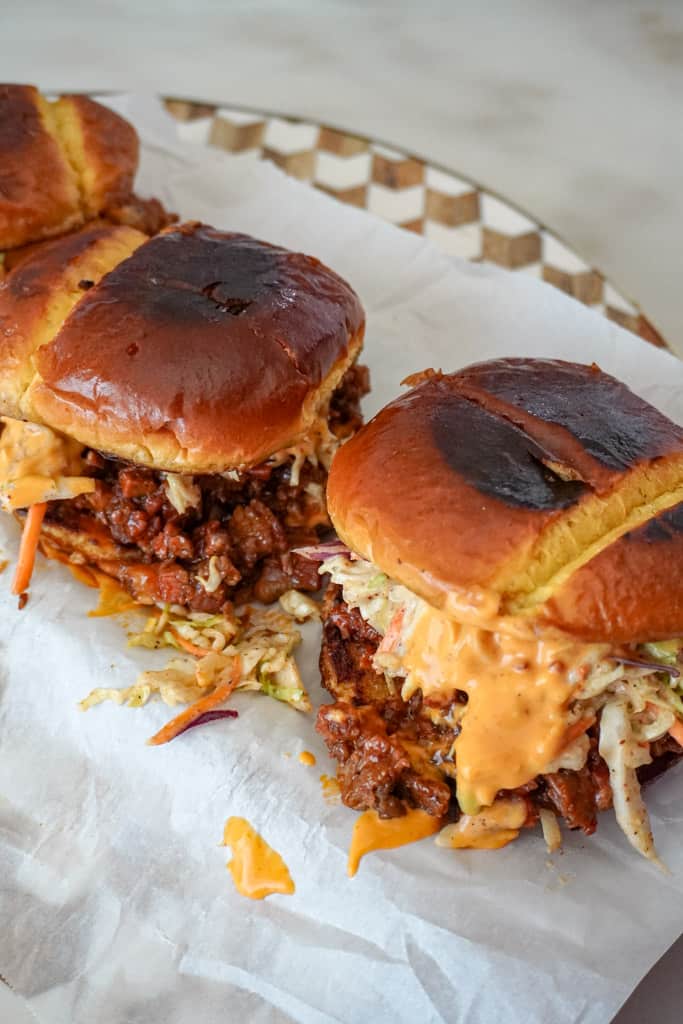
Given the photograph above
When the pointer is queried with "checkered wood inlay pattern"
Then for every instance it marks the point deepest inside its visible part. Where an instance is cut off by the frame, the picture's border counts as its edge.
(461, 218)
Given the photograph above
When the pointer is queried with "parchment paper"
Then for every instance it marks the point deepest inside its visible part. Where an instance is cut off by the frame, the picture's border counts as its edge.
(114, 898)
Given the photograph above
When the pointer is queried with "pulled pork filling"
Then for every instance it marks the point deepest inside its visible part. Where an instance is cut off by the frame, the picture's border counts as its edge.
(397, 748)
(205, 542)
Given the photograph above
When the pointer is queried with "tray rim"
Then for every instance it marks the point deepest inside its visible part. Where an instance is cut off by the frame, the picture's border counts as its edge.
(655, 335)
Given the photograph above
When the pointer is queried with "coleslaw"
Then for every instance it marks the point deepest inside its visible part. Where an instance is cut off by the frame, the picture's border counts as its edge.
(634, 694)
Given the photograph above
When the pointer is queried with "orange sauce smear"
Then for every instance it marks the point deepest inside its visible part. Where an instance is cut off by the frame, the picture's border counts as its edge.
(518, 688)
(371, 832)
(307, 758)
(114, 598)
(256, 868)
(330, 788)
(491, 829)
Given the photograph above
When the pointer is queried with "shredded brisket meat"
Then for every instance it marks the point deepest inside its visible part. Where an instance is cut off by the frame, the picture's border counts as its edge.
(392, 754)
(235, 546)
(345, 415)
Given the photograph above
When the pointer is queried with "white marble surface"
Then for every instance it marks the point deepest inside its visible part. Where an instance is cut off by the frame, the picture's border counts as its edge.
(573, 111)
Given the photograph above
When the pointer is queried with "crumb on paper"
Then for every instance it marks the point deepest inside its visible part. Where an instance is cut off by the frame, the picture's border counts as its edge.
(559, 879)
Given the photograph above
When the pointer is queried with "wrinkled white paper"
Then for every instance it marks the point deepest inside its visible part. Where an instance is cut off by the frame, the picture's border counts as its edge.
(115, 901)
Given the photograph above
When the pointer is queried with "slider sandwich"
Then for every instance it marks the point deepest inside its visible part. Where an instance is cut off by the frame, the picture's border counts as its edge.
(63, 163)
(503, 634)
(171, 406)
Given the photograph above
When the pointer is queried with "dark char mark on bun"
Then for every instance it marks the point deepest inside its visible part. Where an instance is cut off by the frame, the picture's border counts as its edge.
(497, 458)
(613, 425)
(29, 277)
(217, 279)
(662, 528)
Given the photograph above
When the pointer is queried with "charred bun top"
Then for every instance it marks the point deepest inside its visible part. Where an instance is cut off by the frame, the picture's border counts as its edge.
(535, 488)
(201, 351)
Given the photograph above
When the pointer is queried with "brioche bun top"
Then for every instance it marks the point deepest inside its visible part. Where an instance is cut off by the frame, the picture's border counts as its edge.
(195, 351)
(533, 488)
(63, 163)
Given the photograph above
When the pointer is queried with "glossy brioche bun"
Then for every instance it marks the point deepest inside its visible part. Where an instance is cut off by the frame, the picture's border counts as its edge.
(632, 588)
(61, 163)
(534, 488)
(40, 291)
(200, 352)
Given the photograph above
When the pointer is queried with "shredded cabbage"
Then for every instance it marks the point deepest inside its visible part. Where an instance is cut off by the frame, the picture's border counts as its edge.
(318, 447)
(668, 652)
(551, 830)
(264, 640)
(623, 754)
(367, 588)
(633, 703)
(182, 492)
(572, 758)
(299, 606)
(210, 632)
(213, 579)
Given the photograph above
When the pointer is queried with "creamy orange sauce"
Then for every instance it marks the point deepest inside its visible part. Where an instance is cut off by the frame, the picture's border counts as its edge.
(113, 598)
(371, 832)
(307, 758)
(492, 828)
(330, 788)
(38, 465)
(476, 606)
(518, 686)
(256, 868)
(78, 571)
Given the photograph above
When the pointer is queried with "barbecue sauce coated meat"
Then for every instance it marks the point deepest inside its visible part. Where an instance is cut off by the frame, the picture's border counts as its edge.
(235, 545)
(393, 754)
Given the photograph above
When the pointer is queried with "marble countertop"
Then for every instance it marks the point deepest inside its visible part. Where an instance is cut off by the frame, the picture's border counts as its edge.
(571, 111)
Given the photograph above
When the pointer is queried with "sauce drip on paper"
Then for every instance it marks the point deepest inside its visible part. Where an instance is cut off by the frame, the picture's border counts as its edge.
(114, 598)
(307, 758)
(330, 788)
(371, 832)
(256, 868)
(492, 828)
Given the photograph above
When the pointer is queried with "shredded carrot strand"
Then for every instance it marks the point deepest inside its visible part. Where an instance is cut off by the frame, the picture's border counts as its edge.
(676, 731)
(28, 547)
(391, 637)
(188, 646)
(200, 707)
(577, 729)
